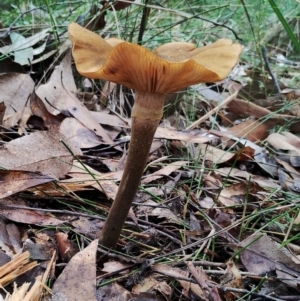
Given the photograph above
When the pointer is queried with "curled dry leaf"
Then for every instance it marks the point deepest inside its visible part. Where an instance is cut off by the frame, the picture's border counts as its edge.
(66, 248)
(102, 182)
(38, 108)
(253, 130)
(287, 142)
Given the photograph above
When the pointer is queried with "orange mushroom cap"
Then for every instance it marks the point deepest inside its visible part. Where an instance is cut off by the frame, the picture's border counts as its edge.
(169, 68)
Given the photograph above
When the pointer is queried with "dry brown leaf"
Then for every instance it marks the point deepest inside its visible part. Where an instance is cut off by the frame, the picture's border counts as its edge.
(114, 266)
(253, 130)
(38, 108)
(194, 136)
(288, 142)
(210, 153)
(25, 216)
(15, 89)
(12, 181)
(246, 108)
(236, 193)
(66, 248)
(237, 173)
(232, 277)
(24, 43)
(165, 171)
(114, 292)
(60, 188)
(58, 92)
(150, 284)
(38, 152)
(10, 238)
(77, 134)
(154, 209)
(77, 282)
(177, 273)
(262, 255)
(109, 119)
(88, 227)
(102, 182)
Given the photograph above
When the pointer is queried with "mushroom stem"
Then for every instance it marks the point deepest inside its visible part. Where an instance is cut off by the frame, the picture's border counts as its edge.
(146, 114)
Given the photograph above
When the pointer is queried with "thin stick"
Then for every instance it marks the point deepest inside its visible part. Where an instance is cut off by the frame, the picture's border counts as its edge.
(267, 63)
(213, 111)
(197, 277)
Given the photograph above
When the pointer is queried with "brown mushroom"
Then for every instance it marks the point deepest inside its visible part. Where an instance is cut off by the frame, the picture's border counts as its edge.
(152, 75)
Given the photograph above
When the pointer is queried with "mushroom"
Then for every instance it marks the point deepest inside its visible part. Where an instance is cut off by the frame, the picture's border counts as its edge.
(152, 75)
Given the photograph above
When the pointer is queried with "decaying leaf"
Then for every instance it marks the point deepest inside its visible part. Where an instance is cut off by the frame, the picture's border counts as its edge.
(194, 136)
(79, 135)
(38, 108)
(21, 43)
(104, 182)
(287, 142)
(177, 273)
(15, 89)
(165, 171)
(66, 248)
(10, 239)
(154, 209)
(58, 93)
(77, 282)
(235, 194)
(38, 152)
(13, 181)
(237, 173)
(262, 255)
(151, 284)
(26, 216)
(114, 266)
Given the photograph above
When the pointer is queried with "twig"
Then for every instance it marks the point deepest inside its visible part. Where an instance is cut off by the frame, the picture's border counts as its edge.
(216, 24)
(183, 14)
(226, 289)
(214, 110)
(197, 277)
(145, 14)
(202, 263)
(267, 64)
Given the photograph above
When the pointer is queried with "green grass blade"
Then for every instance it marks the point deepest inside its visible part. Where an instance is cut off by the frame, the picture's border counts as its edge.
(285, 24)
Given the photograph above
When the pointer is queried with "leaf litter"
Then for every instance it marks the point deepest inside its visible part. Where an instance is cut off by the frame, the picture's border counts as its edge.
(215, 214)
